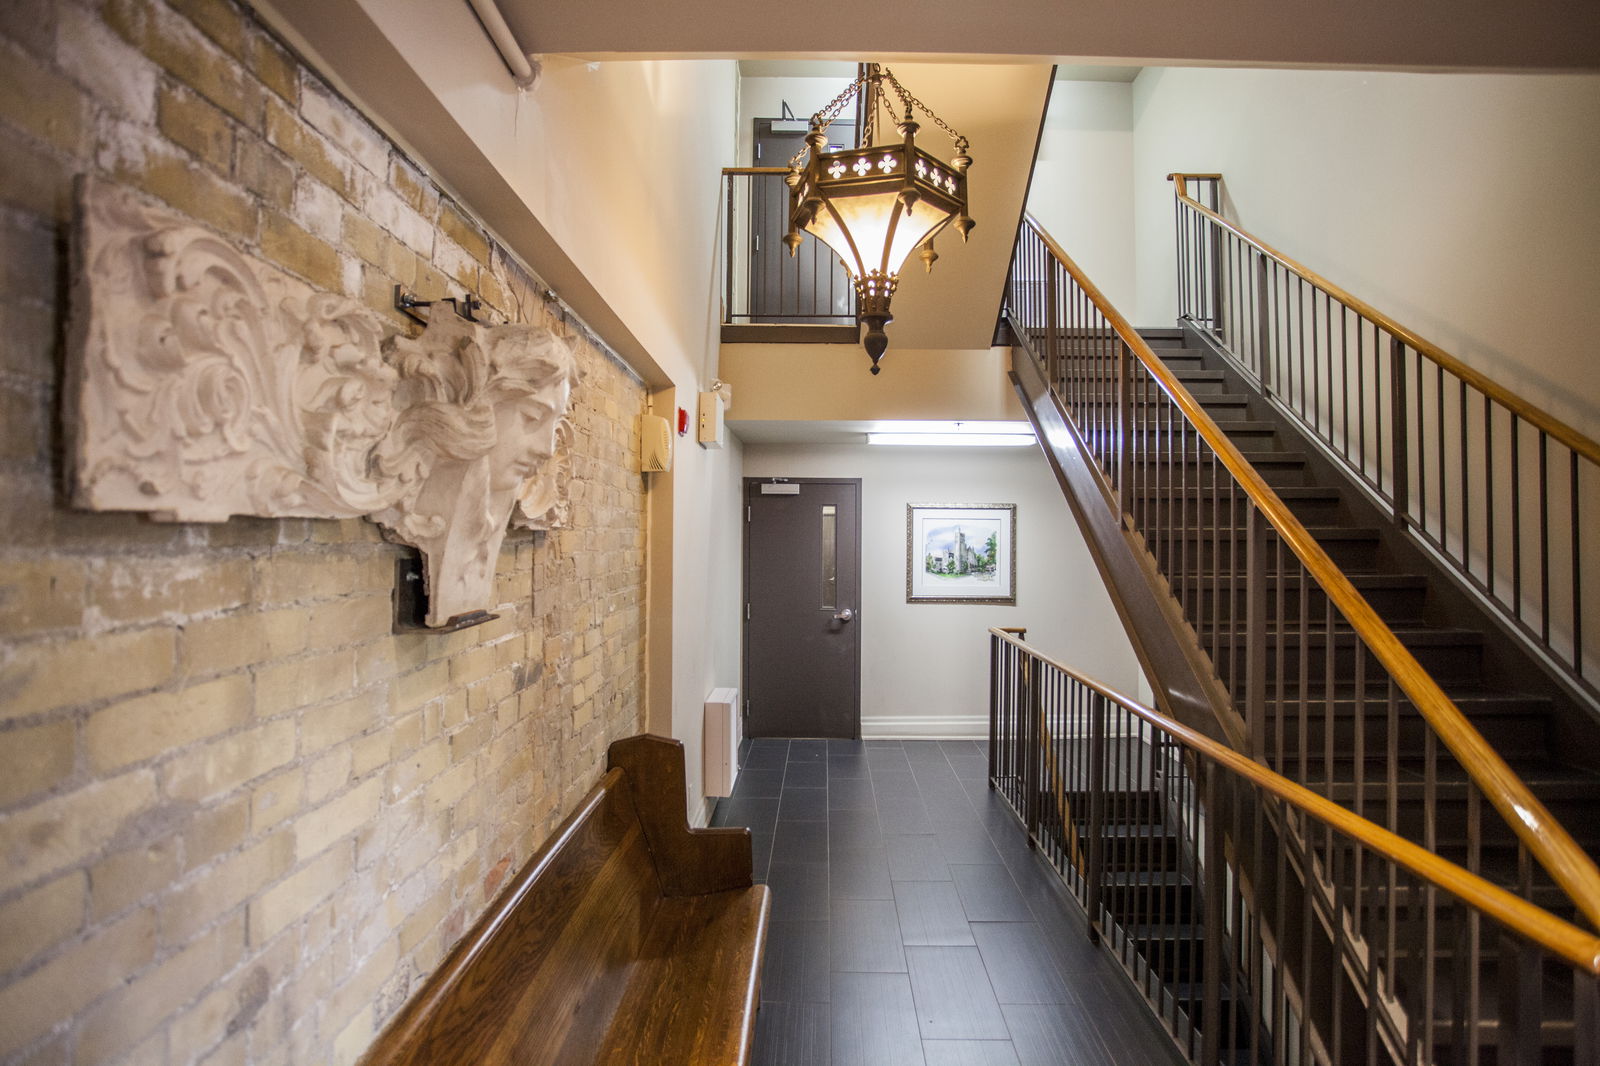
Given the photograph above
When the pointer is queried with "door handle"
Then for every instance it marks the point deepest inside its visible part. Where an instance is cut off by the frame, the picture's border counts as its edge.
(844, 616)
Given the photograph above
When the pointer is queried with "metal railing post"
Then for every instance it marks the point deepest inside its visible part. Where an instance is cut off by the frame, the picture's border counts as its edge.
(1030, 748)
(1400, 419)
(1052, 334)
(1255, 627)
(1211, 882)
(994, 706)
(1124, 426)
(1094, 873)
(1263, 326)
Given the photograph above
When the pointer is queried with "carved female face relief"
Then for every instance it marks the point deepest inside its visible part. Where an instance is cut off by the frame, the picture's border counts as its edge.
(207, 384)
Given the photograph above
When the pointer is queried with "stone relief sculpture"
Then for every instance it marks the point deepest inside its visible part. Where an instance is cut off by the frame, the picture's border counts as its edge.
(208, 384)
(542, 502)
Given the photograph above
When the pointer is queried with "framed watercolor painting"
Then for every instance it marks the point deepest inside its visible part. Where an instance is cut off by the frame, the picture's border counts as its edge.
(961, 553)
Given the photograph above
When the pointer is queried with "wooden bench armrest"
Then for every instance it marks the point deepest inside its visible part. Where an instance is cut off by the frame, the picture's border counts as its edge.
(689, 862)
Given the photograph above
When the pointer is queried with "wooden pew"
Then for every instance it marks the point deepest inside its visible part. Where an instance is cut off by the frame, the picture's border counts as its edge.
(628, 939)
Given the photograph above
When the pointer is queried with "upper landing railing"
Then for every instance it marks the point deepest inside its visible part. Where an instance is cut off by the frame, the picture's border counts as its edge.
(1503, 493)
(762, 284)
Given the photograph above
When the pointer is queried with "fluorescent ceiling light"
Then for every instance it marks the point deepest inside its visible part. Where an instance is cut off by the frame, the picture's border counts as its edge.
(952, 434)
(954, 440)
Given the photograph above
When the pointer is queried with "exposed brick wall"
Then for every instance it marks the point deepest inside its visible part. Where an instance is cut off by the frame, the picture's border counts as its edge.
(238, 818)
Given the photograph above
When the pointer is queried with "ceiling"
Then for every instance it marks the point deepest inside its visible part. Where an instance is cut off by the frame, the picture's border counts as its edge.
(1416, 34)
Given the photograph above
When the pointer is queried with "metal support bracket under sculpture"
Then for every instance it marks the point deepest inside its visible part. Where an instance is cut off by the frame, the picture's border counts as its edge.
(204, 383)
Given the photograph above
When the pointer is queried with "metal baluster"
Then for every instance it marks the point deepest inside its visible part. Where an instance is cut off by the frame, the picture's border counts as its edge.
(1515, 481)
(1544, 538)
(1466, 498)
(1400, 446)
(1577, 569)
(1095, 875)
(1215, 881)
(1255, 642)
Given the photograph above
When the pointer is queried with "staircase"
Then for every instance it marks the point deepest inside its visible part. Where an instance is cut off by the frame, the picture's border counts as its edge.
(1494, 685)
(1498, 688)
(1302, 688)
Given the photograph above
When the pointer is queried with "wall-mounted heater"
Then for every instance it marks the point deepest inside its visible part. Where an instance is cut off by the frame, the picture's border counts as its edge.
(721, 741)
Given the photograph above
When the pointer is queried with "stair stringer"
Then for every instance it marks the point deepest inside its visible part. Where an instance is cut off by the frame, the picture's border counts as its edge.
(1186, 688)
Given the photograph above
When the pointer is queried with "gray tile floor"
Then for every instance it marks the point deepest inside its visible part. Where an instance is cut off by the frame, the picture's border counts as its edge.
(912, 925)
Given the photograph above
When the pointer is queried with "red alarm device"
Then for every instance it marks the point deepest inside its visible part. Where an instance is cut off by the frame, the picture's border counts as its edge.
(683, 421)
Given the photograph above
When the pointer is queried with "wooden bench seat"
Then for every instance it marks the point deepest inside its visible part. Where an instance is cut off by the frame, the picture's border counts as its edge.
(629, 938)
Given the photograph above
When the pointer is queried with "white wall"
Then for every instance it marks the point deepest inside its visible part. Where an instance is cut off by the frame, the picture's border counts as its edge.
(925, 667)
(706, 548)
(1462, 204)
(1082, 191)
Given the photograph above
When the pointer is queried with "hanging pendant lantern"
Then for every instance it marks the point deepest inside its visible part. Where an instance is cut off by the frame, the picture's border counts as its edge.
(876, 203)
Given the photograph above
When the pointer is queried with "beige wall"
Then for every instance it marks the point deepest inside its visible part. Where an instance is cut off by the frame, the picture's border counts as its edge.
(239, 817)
(1082, 191)
(1461, 204)
(834, 382)
(925, 667)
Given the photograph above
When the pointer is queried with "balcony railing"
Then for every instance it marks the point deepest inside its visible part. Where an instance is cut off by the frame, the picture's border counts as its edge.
(763, 284)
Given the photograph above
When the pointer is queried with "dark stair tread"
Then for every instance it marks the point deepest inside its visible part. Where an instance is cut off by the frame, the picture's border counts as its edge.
(1243, 425)
(1373, 579)
(1341, 532)
(1411, 634)
(1253, 458)
(1285, 492)
(1146, 879)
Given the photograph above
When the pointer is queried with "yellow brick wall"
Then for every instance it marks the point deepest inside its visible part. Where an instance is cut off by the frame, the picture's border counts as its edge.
(240, 819)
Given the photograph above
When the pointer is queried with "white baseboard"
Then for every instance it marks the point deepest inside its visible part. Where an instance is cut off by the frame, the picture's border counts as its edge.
(926, 727)
(700, 817)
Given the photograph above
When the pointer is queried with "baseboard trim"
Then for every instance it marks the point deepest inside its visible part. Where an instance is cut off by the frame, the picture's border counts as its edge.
(926, 727)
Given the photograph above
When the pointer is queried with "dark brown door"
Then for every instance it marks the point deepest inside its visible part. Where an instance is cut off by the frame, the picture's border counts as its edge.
(803, 601)
(811, 287)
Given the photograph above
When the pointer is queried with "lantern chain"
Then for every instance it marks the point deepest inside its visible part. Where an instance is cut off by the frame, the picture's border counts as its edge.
(909, 100)
(825, 116)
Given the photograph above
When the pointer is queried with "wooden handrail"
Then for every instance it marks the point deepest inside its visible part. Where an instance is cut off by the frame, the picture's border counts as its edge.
(1534, 416)
(1557, 936)
(1546, 838)
(755, 170)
